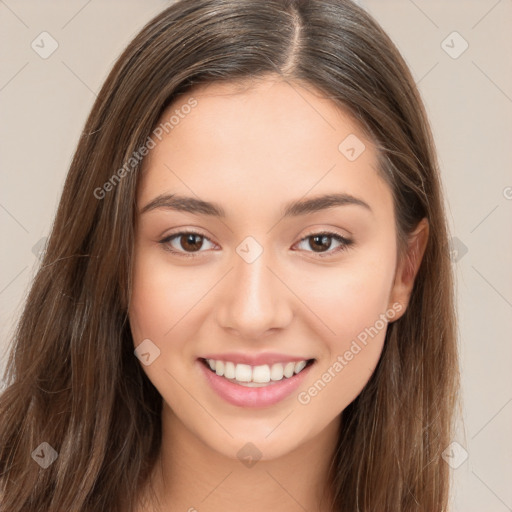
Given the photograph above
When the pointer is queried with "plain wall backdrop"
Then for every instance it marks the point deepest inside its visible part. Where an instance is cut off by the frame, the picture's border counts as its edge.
(55, 56)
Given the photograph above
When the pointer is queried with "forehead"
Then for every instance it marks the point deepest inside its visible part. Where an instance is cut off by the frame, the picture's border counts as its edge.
(270, 141)
(275, 112)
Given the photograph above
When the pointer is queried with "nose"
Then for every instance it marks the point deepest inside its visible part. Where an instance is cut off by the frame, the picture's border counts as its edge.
(253, 300)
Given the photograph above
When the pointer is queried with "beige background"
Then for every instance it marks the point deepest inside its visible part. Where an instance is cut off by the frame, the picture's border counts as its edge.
(44, 104)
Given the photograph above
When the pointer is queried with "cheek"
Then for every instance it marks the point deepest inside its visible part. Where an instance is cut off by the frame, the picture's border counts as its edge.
(163, 295)
(163, 309)
(350, 305)
(348, 299)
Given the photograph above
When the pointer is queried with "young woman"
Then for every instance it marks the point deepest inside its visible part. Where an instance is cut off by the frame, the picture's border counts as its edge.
(246, 301)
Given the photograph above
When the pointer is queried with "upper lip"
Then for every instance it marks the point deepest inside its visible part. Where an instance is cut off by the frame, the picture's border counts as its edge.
(255, 359)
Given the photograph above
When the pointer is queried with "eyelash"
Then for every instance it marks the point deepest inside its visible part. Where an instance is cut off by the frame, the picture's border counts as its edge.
(345, 243)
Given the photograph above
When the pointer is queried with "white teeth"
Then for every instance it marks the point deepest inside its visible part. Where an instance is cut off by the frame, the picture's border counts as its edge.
(276, 372)
(300, 366)
(219, 368)
(289, 369)
(229, 370)
(261, 373)
(255, 376)
(243, 373)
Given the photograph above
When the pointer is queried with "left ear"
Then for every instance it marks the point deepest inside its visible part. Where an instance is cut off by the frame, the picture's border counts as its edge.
(408, 267)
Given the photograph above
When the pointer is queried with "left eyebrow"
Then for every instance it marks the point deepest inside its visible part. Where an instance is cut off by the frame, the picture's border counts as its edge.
(291, 209)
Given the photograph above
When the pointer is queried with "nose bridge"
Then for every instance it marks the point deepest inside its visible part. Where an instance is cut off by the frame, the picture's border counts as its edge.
(252, 300)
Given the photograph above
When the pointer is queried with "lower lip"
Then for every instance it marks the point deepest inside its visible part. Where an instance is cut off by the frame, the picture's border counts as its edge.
(244, 396)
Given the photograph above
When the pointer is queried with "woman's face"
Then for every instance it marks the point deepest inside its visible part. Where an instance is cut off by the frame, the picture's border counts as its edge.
(257, 286)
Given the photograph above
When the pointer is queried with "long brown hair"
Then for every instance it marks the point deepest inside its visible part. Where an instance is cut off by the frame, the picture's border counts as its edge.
(72, 378)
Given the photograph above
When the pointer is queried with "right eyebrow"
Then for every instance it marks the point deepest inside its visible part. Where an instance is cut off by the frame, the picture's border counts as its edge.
(184, 204)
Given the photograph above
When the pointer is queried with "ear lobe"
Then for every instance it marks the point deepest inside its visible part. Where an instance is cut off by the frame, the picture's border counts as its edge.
(407, 269)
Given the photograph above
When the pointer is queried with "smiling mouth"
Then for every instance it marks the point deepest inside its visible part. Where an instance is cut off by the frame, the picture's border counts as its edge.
(256, 376)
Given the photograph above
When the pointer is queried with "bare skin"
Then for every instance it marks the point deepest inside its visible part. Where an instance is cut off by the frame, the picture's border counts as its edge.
(252, 152)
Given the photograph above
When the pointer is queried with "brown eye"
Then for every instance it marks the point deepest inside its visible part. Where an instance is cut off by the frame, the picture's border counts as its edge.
(185, 243)
(191, 241)
(320, 243)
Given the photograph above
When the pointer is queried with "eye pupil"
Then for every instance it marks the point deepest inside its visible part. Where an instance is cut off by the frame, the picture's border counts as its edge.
(191, 239)
(322, 240)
